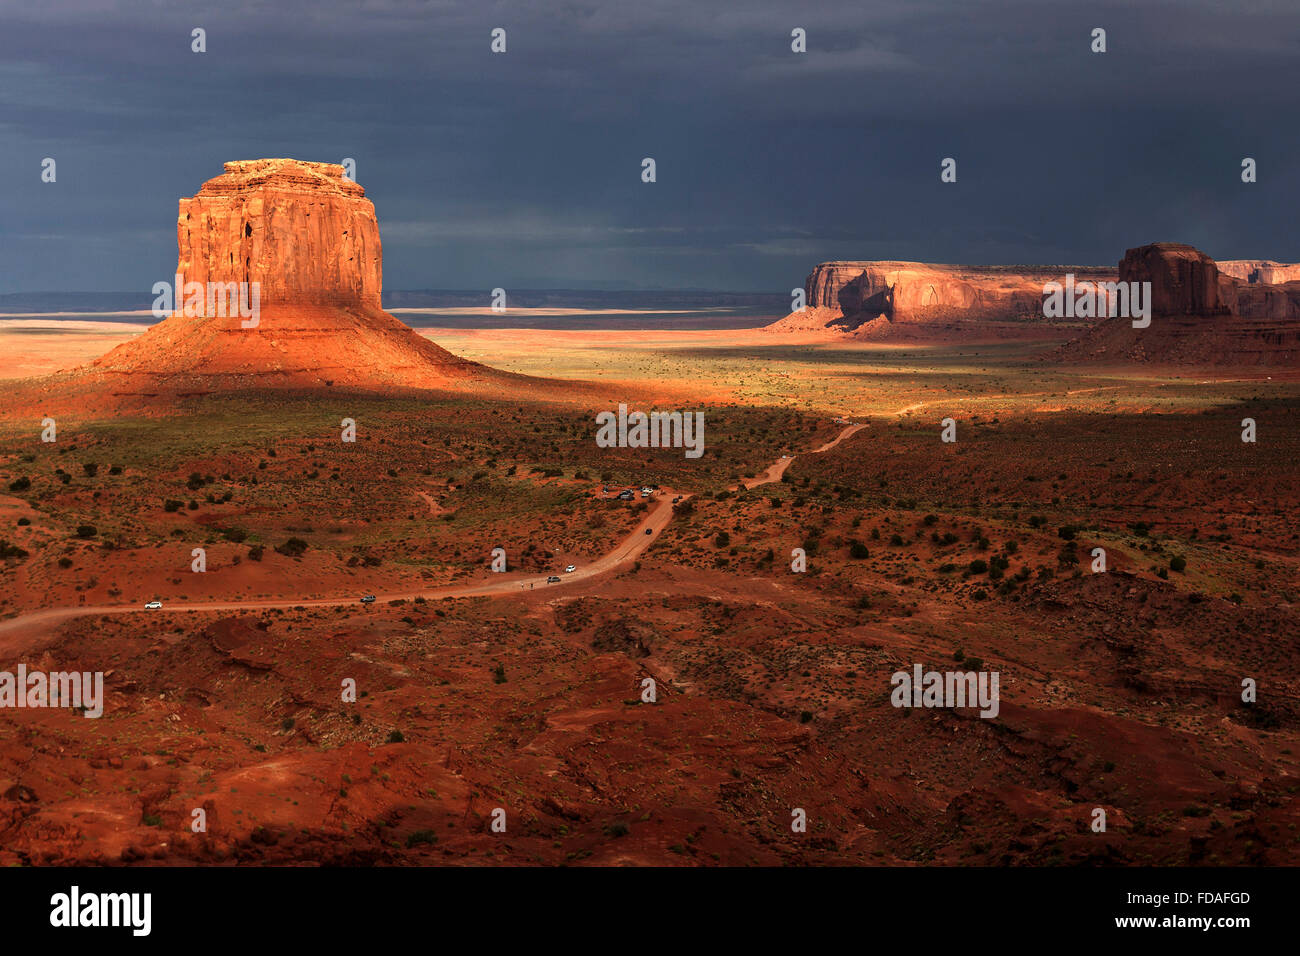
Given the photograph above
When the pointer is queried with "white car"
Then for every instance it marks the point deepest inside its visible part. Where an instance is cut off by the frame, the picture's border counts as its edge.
(570, 569)
(153, 606)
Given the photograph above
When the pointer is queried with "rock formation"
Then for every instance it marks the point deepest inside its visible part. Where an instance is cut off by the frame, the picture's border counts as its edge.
(306, 233)
(1201, 314)
(1260, 271)
(309, 240)
(880, 299)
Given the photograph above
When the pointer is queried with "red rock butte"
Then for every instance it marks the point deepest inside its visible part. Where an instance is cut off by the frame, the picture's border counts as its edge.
(308, 236)
(1237, 312)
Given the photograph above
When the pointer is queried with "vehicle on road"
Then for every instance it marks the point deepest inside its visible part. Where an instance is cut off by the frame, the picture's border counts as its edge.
(677, 499)
(570, 569)
(649, 530)
(153, 606)
(368, 599)
(553, 579)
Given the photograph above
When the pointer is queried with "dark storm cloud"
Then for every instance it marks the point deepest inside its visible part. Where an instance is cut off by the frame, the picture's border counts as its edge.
(488, 169)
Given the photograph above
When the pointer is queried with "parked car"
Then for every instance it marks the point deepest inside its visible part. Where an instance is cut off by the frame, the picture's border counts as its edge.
(368, 599)
(625, 495)
(645, 492)
(153, 606)
(553, 580)
(570, 569)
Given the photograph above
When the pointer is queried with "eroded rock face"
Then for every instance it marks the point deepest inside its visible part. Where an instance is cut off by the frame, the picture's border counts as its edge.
(1184, 280)
(302, 230)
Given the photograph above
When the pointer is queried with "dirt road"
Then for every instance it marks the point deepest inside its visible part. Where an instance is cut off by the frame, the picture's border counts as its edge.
(15, 630)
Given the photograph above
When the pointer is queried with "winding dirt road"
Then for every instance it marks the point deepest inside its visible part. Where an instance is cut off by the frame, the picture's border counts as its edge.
(623, 554)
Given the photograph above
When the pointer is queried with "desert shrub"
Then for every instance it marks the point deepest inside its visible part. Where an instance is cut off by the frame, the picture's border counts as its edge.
(420, 837)
(20, 484)
(255, 552)
(8, 550)
(86, 531)
(722, 539)
(396, 737)
(1177, 563)
(65, 562)
(171, 505)
(115, 470)
(23, 522)
(90, 468)
(292, 548)
(859, 550)
(978, 566)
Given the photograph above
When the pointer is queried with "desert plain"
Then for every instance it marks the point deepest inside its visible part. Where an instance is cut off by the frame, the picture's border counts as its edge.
(481, 691)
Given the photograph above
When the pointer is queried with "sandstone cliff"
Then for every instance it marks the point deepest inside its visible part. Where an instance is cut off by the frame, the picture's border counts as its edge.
(302, 230)
(1260, 271)
(888, 298)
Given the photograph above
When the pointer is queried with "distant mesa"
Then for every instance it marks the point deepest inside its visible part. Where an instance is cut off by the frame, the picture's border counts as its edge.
(308, 237)
(1236, 312)
(889, 299)
(1240, 312)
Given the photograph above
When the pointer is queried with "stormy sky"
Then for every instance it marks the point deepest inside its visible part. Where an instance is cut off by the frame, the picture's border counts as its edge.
(524, 169)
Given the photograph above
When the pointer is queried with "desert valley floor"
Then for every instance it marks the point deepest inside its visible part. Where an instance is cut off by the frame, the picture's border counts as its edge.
(476, 691)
